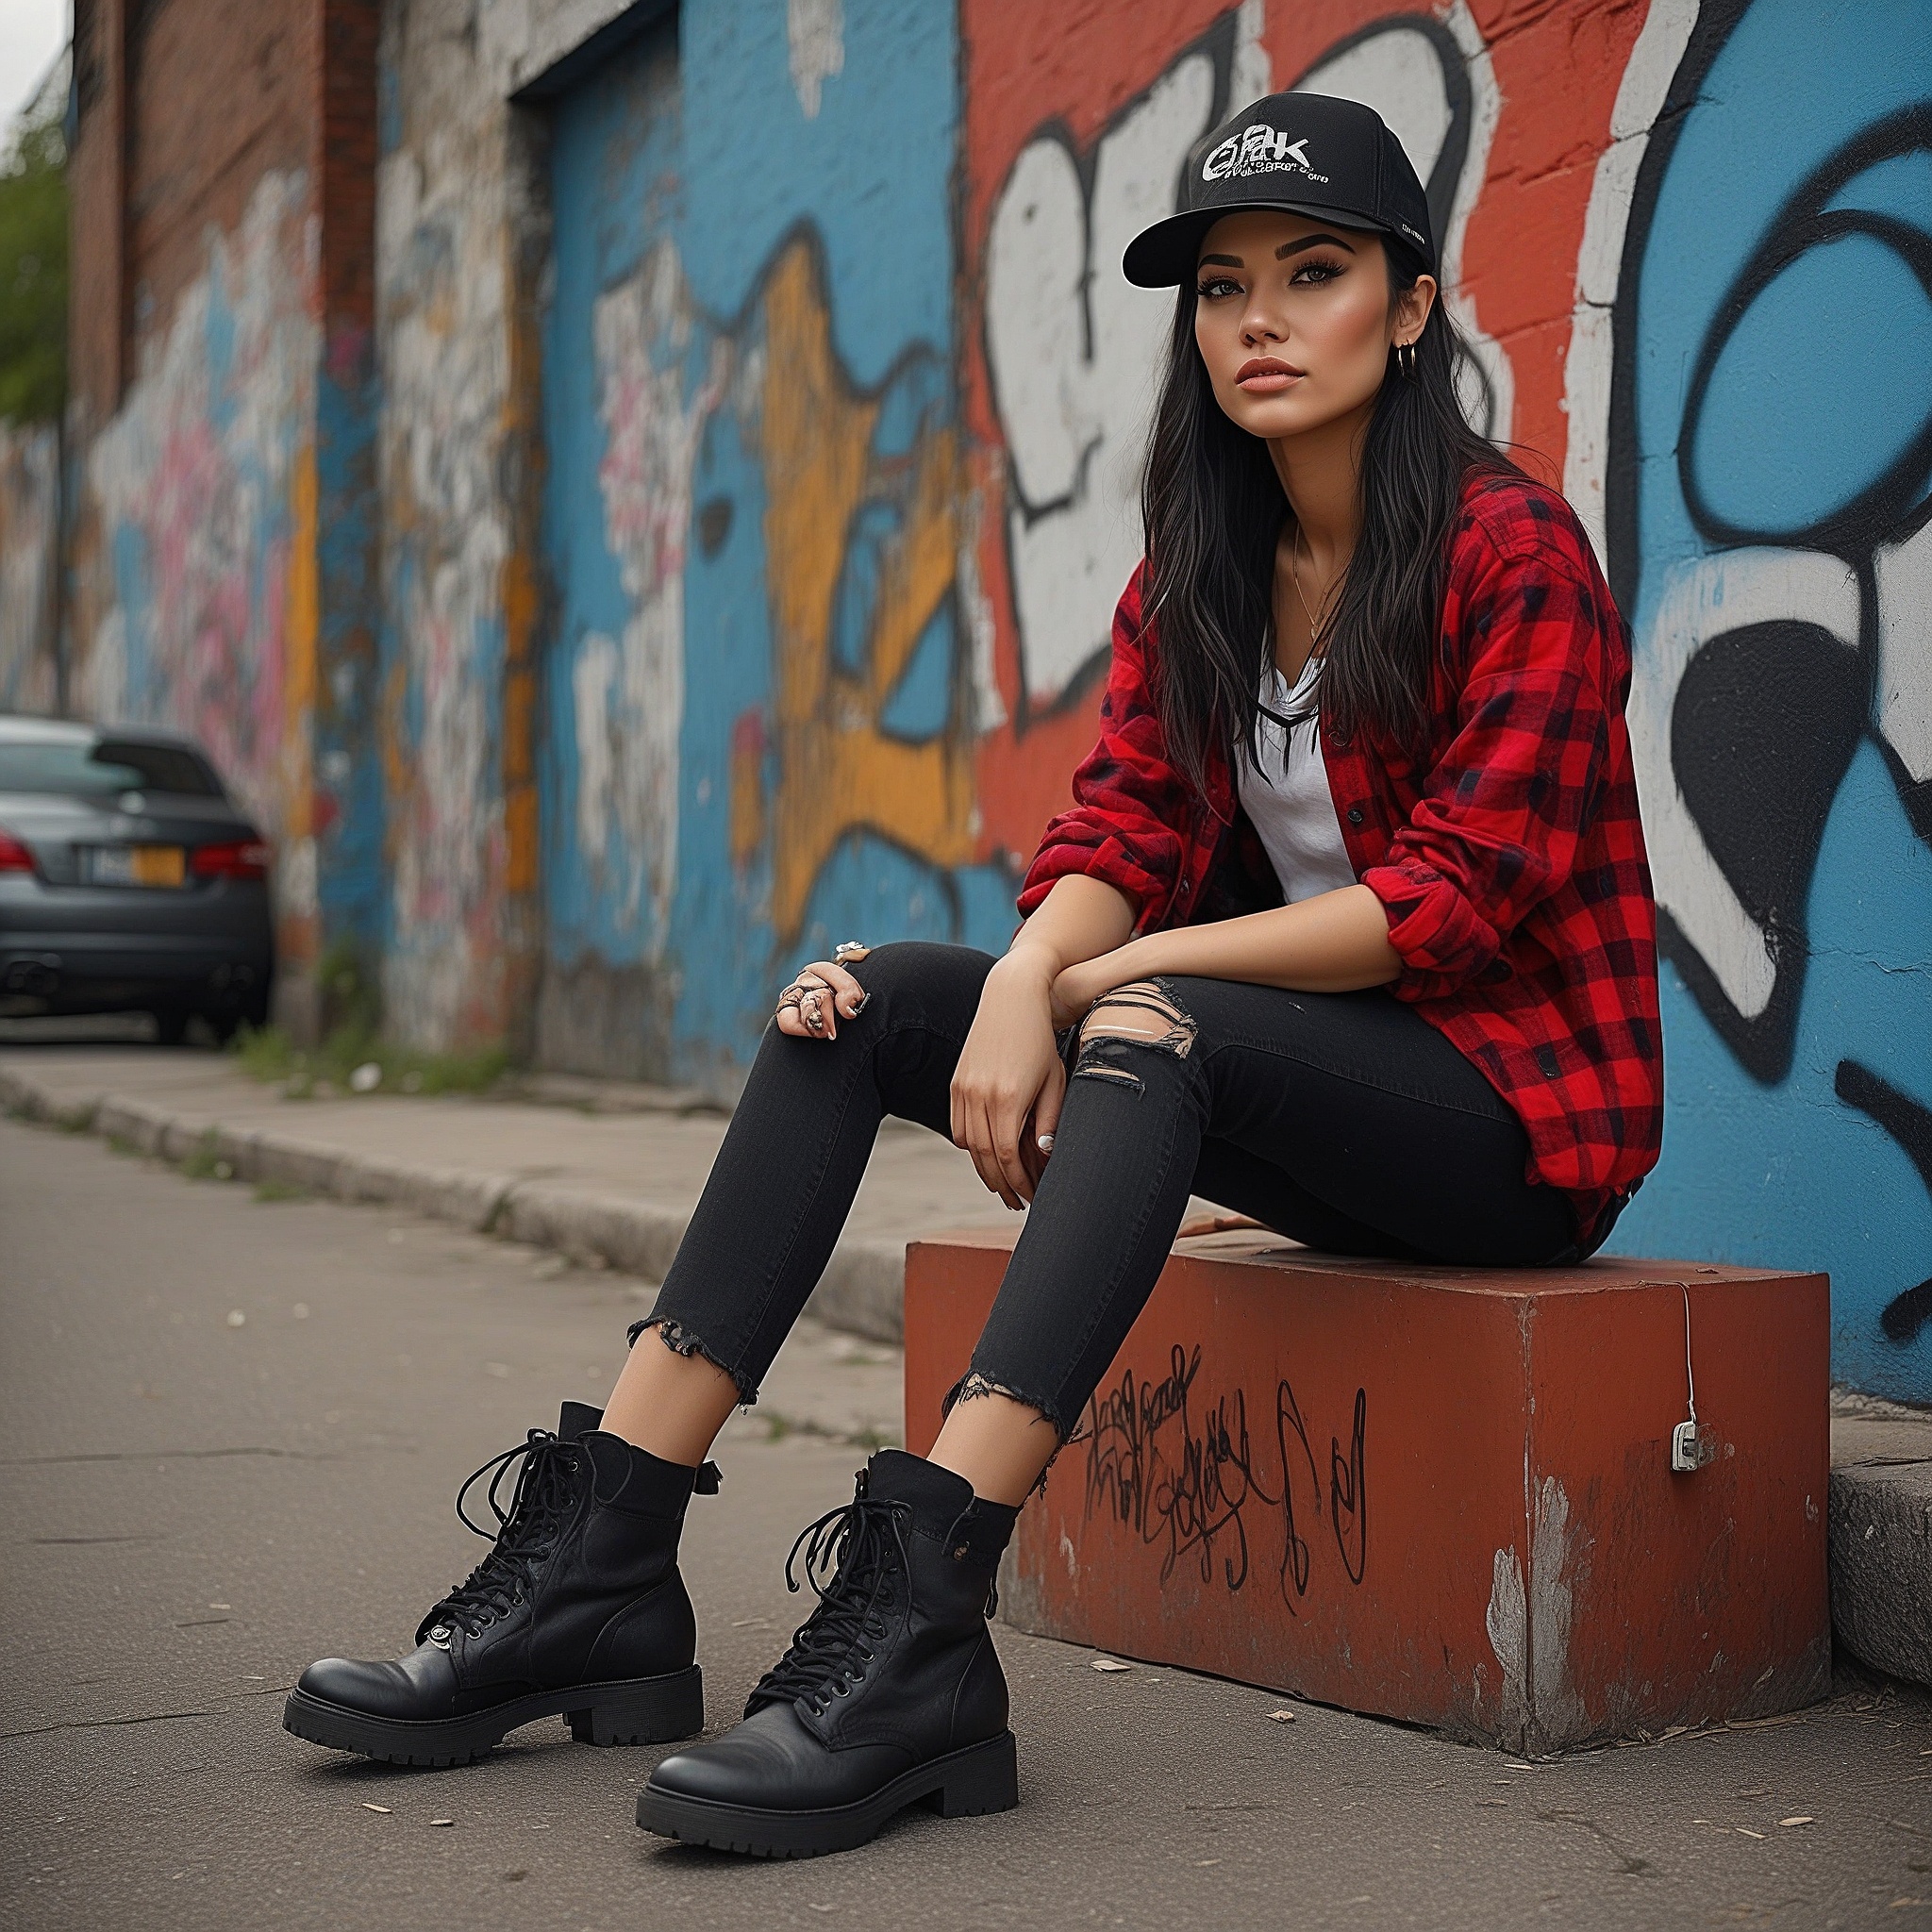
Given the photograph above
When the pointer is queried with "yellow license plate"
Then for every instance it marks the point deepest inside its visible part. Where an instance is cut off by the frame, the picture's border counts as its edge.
(160, 865)
(141, 865)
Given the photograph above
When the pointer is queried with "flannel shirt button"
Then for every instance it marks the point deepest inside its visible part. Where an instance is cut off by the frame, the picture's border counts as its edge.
(1354, 814)
(1184, 889)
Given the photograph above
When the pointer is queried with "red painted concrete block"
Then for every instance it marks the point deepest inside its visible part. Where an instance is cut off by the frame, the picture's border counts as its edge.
(1438, 1494)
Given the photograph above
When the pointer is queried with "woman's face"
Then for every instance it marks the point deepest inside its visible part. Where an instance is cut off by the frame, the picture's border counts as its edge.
(1295, 322)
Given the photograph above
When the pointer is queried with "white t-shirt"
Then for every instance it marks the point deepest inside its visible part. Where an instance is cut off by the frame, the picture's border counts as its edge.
(1286, 795)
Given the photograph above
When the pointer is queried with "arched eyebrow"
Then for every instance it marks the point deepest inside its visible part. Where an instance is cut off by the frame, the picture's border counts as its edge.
(1281, 254)
(1289, 248)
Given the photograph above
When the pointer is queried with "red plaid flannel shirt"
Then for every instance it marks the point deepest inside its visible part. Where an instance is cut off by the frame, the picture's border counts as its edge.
(1509, 860)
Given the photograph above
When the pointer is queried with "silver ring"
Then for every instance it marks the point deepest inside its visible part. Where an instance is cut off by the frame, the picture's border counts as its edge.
(849, 951)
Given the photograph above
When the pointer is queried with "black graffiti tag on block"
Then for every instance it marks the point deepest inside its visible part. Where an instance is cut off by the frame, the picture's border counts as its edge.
(1183, 1476)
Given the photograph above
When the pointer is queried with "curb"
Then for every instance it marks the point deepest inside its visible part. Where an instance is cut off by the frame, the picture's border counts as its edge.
(1881, 1539)
(862, 1290)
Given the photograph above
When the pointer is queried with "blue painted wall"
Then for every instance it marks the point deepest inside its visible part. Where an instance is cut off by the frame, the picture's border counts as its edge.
(692, 189)
(1776, 389)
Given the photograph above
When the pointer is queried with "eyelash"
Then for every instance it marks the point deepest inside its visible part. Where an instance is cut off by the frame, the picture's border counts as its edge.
(1317, 273)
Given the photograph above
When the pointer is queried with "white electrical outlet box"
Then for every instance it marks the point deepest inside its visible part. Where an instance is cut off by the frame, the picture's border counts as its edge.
(1691, 1449)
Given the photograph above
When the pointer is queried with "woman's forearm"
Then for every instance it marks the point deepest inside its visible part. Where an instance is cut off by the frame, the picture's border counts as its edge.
(1335, 942)
(1080, 919)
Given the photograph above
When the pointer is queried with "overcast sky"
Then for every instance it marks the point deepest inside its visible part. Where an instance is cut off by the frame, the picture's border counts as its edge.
(32, 32)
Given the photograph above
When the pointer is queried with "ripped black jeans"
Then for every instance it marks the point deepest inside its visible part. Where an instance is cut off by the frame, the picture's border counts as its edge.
(1341, 1119)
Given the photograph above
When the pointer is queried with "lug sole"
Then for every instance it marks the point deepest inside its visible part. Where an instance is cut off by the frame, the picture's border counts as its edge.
(963, 1784)
(641, 1710)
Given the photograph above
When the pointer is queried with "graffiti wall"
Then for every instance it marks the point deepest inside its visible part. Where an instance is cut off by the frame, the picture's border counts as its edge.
(842, 465)
(1767, 513)
(193, 578)
(29, 457)
(446, 241)
(760, 712)
(756, 407)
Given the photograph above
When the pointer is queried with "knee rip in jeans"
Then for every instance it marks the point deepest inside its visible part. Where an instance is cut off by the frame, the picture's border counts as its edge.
(680, 1340)
(1144, 1013)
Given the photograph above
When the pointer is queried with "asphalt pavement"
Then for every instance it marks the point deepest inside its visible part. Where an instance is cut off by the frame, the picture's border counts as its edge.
(232, 1427)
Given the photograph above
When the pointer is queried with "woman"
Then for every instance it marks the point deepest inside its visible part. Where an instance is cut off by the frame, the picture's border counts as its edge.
(1349, 929)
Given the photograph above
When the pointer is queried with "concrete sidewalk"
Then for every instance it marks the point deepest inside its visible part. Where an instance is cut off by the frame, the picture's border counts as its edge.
(608, 1174)
(232, 1428)
(601, 1186)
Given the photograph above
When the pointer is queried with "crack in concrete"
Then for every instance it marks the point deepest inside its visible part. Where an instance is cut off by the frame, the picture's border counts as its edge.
(66, 1541)
(101, 1724)
(1626, 1861)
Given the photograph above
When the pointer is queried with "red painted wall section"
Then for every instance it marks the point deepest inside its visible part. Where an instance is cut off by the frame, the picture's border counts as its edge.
(1541, 86)
(1558, 69)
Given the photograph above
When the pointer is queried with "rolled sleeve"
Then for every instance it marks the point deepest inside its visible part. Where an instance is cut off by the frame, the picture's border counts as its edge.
(1131, 815)
(1501, 815)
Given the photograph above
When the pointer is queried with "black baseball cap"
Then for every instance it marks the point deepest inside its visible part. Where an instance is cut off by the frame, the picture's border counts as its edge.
(1307, 154)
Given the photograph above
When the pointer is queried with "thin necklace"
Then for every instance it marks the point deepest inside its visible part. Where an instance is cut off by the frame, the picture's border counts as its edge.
(1295, 572)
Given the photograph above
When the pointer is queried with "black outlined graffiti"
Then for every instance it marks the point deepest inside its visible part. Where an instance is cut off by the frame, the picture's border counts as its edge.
(1794, 635)
(1182, 1476)
(1068, 346)
(1910, 1126)
(1765, 718)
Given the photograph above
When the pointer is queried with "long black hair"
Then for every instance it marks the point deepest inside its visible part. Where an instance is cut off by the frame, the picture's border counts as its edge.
(1213, 510)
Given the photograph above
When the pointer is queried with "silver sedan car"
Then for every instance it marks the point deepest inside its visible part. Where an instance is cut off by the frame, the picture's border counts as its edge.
(128, 881)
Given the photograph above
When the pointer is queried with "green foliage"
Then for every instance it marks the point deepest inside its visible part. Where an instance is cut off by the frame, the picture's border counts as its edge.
(33, 265)
(268, 1054)
(203, 1162)
(351, 994)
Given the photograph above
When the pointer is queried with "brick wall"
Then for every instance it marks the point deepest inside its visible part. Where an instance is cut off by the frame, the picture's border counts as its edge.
(223, 520)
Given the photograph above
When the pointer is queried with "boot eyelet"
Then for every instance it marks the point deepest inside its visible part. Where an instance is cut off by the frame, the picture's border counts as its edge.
(960, 1553)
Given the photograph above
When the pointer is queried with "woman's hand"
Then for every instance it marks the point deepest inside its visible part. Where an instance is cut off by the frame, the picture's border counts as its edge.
(823, 994)
(1009, 1082)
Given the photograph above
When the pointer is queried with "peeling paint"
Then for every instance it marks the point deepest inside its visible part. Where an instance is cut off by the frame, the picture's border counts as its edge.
(630, 705)
(815, 36)
(1528, 1624)
(1557, 1561)
(29, 455)
(448, 224)
(1506, 1619)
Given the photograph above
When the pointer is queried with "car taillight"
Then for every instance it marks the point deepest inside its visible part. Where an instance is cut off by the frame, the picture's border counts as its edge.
(238, 859)
(14, 856)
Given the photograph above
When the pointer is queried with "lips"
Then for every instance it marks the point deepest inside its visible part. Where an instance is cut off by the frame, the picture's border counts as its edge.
(1266, 373)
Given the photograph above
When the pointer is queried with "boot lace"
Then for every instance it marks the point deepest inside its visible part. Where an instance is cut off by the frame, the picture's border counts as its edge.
(524, 1535)
(854, 1560)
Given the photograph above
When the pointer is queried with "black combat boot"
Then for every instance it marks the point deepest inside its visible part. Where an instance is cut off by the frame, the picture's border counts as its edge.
(892, 1692)
(577, 1612)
